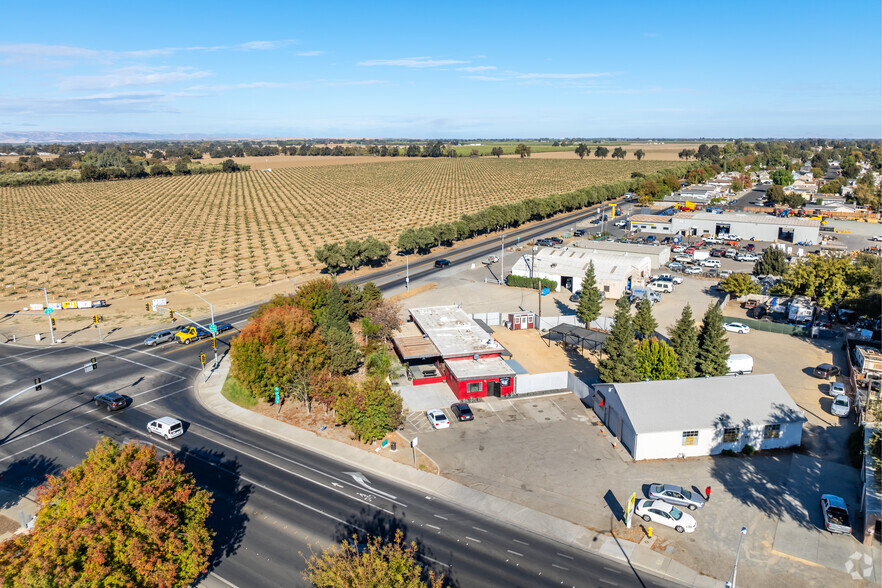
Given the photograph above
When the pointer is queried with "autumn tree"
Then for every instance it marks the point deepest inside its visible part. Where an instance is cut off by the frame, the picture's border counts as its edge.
(656, 360)
(376, 564)
(122, 517)
(684, 342)
(620, 363)
(739, 285)
(644, 323)
(639, 154)
(589, 297)
(713, 346)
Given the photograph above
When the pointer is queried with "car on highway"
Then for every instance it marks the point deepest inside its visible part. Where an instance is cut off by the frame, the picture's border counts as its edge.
(835, 513)
(159, 337)
(676, 495)
(110, 401)
(692, 270)
(166, 427)
(437, 418)
(841, 406)
(462, 411)
(657, 511)
(826, 371)
(836, 388)
(442, 263)
(736, 328)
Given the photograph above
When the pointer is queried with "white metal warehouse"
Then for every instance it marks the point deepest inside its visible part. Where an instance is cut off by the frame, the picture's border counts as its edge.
(614, 272)
(658, 255)
(699, 416)
(760, 227)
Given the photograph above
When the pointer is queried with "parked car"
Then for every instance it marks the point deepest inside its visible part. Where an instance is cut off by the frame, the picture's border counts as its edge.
(678, 249)
(650, 238)
(835, 514)
(676, 495)
(746, 257)
(717, 252)
(167, 427)
(750, 247)
(110, 401)
(675, 265)
(689, 251)
(710, 263)
(836, 389)
(578, 232)
(668, 278)
(841, 406)
(736, 327)
(657, 511)
(437, 418)
(556, 240)
(620, 223)
(730, 253)
(492, 259)
(442, 263)
(683, 258)
(574, 297)
(725, 273)
(758, 312)
(692, 269)
(711, 240)
(462, 411)
(748, 304)
(827, 371)
(159, 337)
(876, 238)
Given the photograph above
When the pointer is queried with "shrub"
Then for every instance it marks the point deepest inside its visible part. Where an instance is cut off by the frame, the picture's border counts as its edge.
(534, 283)
(748, 450)
(727, 453)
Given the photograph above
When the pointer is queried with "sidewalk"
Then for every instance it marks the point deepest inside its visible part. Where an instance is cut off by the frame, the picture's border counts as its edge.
(16, 513)
(638, 555)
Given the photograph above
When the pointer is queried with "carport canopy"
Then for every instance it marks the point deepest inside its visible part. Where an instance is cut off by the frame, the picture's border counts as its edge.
(575, 335)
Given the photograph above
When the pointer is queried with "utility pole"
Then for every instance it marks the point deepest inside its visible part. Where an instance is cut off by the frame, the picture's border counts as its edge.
(407, 272)
(502, 262)
(731, 583)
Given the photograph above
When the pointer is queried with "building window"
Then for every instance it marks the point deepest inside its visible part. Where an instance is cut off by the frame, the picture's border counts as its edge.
(475, 387)
(772, 432)
(690, 437)
(731, 434)
(606, 289)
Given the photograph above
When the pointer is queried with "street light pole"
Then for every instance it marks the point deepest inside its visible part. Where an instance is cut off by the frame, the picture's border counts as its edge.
(731, 583)
(49, 315)
(407, 272)
(502, 261)
(539, 289)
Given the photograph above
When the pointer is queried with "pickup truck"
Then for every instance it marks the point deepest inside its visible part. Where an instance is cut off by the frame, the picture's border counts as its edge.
(835, 514)
(191, 333)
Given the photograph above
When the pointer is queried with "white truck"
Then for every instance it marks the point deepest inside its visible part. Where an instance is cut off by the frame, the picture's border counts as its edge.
(700, 255)
(739, 364)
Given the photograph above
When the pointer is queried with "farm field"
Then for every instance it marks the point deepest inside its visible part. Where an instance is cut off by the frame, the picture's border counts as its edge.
(654, 151)
(155, 236)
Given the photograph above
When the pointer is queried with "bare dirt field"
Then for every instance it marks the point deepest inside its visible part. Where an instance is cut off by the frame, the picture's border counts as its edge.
(286, 161)
(654, 152)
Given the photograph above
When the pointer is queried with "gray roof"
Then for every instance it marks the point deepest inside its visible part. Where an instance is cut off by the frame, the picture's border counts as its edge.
(475, 369)
(763, 219)
(705, 403)
(453, 332)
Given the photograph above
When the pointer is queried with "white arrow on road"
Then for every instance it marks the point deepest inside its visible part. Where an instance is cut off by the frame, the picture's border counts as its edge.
(362, 481)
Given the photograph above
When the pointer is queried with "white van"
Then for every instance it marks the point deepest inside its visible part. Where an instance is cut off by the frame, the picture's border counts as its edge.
(166, 427)
(739, 363)
(662, 286)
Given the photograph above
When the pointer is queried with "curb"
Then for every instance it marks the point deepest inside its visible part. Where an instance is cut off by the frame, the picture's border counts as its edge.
(208, 394)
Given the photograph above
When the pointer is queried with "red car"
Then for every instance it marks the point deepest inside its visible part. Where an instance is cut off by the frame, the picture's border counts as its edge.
(689, 251)
(717, 252)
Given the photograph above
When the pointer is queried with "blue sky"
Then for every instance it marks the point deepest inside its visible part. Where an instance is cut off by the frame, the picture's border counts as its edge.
(469, 69)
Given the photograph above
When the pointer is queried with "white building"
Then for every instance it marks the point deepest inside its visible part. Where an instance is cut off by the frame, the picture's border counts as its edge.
(613, 272)
(699, 416)
(761, 227)
(657, 254)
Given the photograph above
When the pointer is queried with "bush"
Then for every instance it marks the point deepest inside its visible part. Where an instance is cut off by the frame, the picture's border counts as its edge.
(748, 450)
(534, 283)
(727, 453)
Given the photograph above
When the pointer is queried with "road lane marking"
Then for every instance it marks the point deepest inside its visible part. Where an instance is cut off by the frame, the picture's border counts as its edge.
(433, 560)
(515, 552)
(479, 529)
(121, 424)
(566, 556)
(473, 539)
(138, 363)
(224, 580)
(433, 527)
(150, 354)
(612, 570)
(560, 567)
(521, 542)
(440, 517)
(607, 582)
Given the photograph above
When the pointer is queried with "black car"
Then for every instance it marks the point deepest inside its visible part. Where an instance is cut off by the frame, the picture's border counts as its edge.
(556, 240)
(578, 232)
(827, 371)
(574, 297)
(110, 401)
(462, 412)
(442, 263)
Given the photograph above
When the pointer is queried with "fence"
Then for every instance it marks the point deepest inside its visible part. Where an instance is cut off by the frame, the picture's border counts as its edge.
(553, 382)
(771, 327)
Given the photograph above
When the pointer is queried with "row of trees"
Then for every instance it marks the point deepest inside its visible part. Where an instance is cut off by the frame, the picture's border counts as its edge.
(304, 345)
(352, 254)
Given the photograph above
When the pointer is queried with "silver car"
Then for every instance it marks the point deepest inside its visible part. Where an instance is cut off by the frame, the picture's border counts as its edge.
(676, 495)
(159, 337)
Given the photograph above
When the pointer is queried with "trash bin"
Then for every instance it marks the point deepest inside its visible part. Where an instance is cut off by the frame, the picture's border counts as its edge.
(393, 445)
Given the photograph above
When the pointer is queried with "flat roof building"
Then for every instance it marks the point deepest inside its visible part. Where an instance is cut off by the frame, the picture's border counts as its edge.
(760, 227)
(658, 255)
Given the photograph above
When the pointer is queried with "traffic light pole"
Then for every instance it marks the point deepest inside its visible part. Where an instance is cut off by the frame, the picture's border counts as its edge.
(39, 383)
(48, 310)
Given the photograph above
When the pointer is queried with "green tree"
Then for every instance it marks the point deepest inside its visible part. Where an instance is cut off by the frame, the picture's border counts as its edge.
(773, 262)
(181, 168)
(781, 177)
(352, 252)
(330, 254)
(639, 154)
(619, 153)
(497, 151)
(229, 166)
(644, 323)
(713, 346)
(122, 517)
(522, 150)
(589, 297)
(601, 152)
(656, 360)
(582, 150)
(740, 285)
(371, 411)
(342, 351)
(620, 363)
(376, 564)
(684, 341)
(775, 195)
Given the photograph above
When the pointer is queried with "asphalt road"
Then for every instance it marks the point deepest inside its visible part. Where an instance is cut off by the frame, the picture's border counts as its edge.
(274, 502)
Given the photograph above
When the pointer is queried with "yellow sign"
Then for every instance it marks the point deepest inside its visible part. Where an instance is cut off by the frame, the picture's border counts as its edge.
(629, 509)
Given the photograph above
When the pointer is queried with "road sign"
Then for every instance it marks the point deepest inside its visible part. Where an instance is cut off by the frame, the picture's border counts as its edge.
(544, 291)
(278, 400)
(49, 310)
(212, 328)
(414, 442)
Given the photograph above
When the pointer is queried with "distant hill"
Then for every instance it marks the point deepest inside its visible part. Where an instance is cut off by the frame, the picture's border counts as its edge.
(7, 137)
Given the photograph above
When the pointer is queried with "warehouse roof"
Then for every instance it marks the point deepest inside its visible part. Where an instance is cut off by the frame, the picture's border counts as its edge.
(763, 219)
(704, 403)
(574, 261)
(650, 218)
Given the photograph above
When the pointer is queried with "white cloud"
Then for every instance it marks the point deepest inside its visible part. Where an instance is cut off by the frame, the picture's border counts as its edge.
(486, 78)
(36, 50)
(561, 76)
(476, 68)
(132, 76)
(310, 53)
(417, 62)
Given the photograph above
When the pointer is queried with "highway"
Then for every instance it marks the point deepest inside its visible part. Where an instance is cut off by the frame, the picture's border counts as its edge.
(275, 502)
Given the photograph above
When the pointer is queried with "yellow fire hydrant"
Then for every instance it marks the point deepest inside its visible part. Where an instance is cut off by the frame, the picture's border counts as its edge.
(649, 532)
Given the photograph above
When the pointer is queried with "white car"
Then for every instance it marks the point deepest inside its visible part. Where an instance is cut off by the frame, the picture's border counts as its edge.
(437, 417)
(746, 257)
(876, 238)
(710, 263)
(837, 389)
(736, 327)
(712, 240)
(657, 511)
(678, 249)
(167, 427)
(492, 259)
(621, 223)
(841, 406)
(692, 269)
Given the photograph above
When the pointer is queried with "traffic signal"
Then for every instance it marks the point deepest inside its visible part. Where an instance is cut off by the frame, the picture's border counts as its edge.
(94, 319)
(214, 342)
(94, 363)
(172, 314)
(37, 385)
(202, 358)
(52, 321)
(147, 306)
